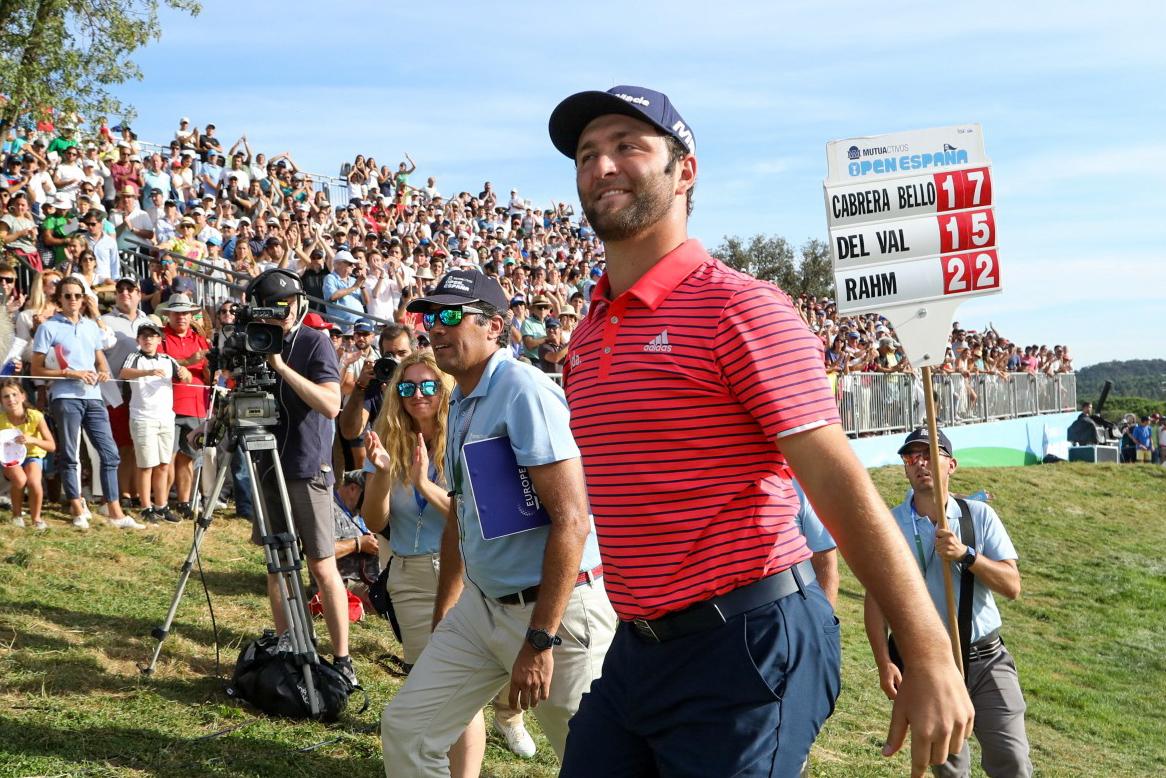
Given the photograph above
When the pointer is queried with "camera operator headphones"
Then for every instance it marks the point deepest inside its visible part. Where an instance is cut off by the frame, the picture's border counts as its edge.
(278, 284)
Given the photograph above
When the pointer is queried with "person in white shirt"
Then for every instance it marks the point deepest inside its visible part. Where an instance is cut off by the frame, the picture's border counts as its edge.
(152, 418)
(69, 175)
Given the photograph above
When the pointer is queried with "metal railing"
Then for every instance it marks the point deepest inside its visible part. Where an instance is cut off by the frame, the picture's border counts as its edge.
(872, 403)
(215, 284)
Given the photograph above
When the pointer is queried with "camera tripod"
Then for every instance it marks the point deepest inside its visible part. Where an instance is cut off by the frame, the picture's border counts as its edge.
(243, 432)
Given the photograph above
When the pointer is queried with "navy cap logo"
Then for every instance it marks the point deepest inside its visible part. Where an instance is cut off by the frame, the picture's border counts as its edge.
(457, 284)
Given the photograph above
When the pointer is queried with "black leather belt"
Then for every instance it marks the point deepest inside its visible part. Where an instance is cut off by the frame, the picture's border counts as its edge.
(986, 647)
(711, 614)
(530, 593)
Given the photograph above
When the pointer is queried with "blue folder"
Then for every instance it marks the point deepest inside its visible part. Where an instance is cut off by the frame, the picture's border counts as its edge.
(503, 489)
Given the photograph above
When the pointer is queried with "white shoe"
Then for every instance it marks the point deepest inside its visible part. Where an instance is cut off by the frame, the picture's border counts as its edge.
(82, 521)
(125, 522)
(518, 740)
(18, 521)
(39, 525)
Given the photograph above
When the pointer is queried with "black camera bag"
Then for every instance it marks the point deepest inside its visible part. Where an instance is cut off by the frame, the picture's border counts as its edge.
(272, 681)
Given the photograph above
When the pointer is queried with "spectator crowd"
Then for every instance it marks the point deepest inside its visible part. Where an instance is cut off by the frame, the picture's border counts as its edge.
(166, 237)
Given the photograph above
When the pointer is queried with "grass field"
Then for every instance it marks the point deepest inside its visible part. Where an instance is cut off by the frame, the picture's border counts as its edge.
(76, 609)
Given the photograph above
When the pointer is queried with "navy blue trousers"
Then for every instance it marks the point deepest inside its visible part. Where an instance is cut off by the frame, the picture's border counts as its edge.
(744, 699)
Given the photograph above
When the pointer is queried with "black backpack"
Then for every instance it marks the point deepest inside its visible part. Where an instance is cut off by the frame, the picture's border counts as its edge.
(271, 680)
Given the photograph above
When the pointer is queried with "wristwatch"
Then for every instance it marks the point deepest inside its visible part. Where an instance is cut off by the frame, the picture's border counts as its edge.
(541, 640)
(970, 557)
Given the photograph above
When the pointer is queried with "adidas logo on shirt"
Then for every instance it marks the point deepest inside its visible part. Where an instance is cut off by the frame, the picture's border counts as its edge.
(659, 343)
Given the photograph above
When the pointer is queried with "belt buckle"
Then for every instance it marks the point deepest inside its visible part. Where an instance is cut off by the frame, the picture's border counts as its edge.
(644, 629)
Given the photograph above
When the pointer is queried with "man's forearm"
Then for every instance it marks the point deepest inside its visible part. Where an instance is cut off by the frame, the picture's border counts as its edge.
(449, 579)
(876, 630)
(322, 398)
(825, 565)
(354, 417)
(561, 491)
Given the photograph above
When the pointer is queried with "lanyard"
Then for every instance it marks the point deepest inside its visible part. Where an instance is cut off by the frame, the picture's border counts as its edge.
(462, 434)
(423, 503)
(919, 543)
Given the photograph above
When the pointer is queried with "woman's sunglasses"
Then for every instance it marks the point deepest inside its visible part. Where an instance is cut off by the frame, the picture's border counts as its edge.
(409, 388)
(450, 317)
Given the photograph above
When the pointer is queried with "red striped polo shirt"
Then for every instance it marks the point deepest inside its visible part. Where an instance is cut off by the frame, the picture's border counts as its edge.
(680, 391)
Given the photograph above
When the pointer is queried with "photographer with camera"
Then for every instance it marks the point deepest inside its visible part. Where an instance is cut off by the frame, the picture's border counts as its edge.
(307, 391)
(396, 342)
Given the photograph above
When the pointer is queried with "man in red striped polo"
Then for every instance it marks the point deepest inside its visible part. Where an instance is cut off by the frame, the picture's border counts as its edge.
(693, 388)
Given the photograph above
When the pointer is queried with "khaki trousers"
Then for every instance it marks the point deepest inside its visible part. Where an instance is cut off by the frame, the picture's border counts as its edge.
(470, 657)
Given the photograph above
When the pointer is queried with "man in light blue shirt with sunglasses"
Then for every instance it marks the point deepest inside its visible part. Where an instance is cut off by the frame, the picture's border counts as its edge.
(521, 594)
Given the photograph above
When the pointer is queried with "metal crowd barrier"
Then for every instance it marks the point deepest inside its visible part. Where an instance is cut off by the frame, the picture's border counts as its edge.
(214, 284)
(871, 403)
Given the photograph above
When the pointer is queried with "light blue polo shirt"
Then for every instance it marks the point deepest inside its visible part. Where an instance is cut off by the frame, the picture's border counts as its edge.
(75, 347)
(818, 538)
(992, 542)
(521, 402)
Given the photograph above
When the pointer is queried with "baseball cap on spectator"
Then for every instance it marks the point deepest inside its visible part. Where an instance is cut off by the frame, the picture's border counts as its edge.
(272, 241)
(244, 220)
(596, 272)
(920, 435)
(459, 287)
(272, 221)
(552, 323)
(364, 325)
(573, 114)
(150, 326)
(517, 300)
(343, 256)
(184, 120)
(127, 281)
(214, 240)
(184, 285)
(316, 322)
(61, 202)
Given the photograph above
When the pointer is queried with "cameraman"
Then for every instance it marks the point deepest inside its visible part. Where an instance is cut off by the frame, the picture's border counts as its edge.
(397, 341)
(308, 393)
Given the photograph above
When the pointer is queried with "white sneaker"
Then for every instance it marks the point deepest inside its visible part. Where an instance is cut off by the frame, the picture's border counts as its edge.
(82, 521)
(518, 740)
(125, 522)
(18, 521)
(39, 525)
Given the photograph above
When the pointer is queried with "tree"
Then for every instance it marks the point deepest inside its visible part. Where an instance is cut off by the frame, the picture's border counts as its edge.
(771, 258)
(64, 55)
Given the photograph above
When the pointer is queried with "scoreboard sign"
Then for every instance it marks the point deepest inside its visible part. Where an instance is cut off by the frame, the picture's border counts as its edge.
(912, 226)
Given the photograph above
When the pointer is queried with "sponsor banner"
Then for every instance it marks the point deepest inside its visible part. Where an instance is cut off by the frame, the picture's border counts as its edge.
(905, 153)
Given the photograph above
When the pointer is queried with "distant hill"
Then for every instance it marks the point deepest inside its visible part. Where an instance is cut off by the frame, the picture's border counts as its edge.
(1131, 378)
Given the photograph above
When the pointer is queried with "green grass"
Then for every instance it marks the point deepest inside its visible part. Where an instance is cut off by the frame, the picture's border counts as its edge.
(76, 610)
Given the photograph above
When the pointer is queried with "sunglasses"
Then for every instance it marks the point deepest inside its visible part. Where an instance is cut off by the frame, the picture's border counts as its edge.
(449, 317)
(409, 388)
(915, 457)
(7, 279)
(70, 296)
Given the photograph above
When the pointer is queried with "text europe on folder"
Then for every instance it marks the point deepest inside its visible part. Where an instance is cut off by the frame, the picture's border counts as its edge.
(503, 490)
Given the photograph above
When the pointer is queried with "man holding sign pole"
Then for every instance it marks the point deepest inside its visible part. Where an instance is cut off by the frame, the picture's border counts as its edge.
(726, 660)
(986, 564)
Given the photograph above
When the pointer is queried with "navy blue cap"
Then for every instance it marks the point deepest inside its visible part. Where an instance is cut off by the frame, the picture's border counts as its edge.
(364, 325)
(572, 116)
(552, 322)
(459, 287)
(920, 435)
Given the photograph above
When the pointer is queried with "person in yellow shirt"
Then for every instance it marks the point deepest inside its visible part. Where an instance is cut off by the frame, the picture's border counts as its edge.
(35, 436)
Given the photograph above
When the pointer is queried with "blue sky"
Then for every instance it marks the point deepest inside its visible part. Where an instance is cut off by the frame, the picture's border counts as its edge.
(1070, 97)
